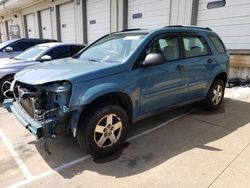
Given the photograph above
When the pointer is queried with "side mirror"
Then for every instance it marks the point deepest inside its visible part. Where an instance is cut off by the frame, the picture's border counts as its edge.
(8, 49)
(45, 58)
(154, 59)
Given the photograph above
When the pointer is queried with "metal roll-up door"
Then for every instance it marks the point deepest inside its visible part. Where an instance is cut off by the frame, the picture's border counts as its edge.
(98, 19)
(230, 20)
(30, 23)
(2, 31)
(148, 14)
(67, 22)
(46, 24)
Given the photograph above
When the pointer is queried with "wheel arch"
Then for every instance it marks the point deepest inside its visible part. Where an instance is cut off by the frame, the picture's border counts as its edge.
(120, 98)
(223, 76)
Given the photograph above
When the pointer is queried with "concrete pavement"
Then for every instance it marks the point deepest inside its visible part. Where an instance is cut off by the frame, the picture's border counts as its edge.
(201, 149)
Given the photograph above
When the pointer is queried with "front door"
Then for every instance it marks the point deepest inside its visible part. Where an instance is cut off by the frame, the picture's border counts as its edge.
(162, 85)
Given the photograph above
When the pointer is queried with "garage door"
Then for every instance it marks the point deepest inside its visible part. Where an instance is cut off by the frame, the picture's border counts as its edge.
(148, 13)
(46, 25)
(67, 22)
(9, 23)
(30, 25)
(98, 19)
(231, 22)
(2, 31)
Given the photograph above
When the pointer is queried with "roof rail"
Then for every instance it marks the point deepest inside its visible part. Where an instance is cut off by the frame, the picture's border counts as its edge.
(195, 27)
(134, 29)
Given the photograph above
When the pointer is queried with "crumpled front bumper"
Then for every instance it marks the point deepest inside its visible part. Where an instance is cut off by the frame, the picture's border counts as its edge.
(29, 123)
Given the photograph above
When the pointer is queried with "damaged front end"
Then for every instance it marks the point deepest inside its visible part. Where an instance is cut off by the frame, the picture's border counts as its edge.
(42, 109)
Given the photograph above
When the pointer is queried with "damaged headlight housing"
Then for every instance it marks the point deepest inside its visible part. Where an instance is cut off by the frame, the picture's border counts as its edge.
(58, 93)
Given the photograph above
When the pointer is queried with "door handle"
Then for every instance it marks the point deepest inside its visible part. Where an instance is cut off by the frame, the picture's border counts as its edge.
(179, 67)
(209, 61)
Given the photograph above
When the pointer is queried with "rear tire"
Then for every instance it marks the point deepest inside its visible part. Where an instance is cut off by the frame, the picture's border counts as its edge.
(102, 129)
(215, 95)
(5, 83)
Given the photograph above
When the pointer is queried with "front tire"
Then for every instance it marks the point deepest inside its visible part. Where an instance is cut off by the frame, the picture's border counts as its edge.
(102, 129)
(215, 95)
(5, 84)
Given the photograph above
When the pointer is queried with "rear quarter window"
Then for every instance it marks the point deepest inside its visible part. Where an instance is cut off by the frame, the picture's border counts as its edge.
(219, 46)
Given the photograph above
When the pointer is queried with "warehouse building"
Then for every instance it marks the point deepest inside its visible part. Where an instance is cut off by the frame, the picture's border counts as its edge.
(83, 21)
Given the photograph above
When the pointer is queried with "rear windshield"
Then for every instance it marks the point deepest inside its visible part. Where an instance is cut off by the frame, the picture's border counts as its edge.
(219, 46)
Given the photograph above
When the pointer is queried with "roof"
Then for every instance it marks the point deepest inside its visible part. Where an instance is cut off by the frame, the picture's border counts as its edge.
(171, 27)
(53, 44)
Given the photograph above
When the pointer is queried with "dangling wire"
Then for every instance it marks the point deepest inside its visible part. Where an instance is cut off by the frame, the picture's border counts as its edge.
(46, 146)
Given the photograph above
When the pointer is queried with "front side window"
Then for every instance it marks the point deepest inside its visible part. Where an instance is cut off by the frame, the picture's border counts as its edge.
(59, 52)
(167, 46)
(5, 44)
(20, 46)
(194, 46)
(113, 48)
(75, 49)
(32, 53)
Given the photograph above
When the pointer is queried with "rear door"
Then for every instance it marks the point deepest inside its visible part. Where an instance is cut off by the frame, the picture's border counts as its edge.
(198, 62)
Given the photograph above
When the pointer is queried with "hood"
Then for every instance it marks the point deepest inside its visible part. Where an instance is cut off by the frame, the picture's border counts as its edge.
(8, 63)
(70, 69)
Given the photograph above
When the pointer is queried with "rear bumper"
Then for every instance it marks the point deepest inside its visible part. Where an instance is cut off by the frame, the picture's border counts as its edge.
(29, 123)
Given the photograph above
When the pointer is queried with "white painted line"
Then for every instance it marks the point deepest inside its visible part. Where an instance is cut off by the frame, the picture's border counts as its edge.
(161, 125)
(49, 172)
(15, 155)
(67, 165)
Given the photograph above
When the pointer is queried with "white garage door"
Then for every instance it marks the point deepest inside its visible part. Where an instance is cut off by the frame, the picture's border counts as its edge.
(98, 19)
(231, 22)
(148, 13)
(9, 23)
(30, 25)
(46, 25)
(2, 31)
(67, 22)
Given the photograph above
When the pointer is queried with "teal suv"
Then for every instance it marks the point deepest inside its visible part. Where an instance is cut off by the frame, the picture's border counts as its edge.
(117, 80)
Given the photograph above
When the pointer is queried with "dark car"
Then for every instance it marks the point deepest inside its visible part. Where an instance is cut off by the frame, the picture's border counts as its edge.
(13, 47)
(34, 55)
(119, 79)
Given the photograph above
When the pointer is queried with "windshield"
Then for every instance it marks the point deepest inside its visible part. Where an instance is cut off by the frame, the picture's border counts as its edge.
(32, 54)
(113, 48)
(4, 44)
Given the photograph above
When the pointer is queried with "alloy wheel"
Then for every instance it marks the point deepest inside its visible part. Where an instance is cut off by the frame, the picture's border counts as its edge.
(6, 89)
(217, 94)
(108, 131)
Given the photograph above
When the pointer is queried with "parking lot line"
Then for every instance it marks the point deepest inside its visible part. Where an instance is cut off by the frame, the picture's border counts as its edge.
(15, 155)
(69, 164)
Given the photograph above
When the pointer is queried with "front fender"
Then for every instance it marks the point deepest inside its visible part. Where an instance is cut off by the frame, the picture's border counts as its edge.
(84, 93)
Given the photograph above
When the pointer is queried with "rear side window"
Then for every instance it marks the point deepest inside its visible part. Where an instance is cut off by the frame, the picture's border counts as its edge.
(75, 49)
(217, 44)
(194, 46)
